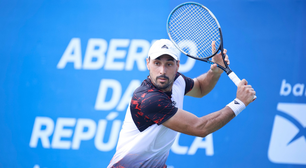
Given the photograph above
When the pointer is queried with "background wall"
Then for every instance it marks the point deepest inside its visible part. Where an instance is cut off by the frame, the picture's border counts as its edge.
(68, 69)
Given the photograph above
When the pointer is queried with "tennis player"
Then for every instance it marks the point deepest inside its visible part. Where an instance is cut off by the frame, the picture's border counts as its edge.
(155, 114)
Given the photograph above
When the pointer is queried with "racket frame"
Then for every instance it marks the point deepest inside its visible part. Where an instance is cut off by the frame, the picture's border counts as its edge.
(226, 69)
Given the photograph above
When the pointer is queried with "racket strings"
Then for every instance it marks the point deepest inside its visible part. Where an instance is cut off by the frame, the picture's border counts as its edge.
(192, 26)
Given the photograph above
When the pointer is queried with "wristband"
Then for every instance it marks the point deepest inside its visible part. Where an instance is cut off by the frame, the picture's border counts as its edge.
(237, 106)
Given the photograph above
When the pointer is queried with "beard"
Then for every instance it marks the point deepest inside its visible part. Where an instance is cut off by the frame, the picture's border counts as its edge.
(164, 85)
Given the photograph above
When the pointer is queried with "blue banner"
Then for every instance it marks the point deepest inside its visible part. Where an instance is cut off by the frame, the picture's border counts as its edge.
(68, 70)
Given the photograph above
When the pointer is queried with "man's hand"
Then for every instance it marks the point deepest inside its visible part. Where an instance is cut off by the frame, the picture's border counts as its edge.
(218, 59)
(245, 92)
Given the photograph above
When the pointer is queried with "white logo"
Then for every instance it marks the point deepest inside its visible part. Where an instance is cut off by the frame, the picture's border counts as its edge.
(288, 139)
(117, 55)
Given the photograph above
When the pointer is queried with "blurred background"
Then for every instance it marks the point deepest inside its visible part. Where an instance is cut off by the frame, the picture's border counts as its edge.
(68, 69)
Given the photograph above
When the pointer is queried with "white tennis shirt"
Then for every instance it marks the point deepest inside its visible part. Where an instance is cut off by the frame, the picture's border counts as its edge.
(143, 140)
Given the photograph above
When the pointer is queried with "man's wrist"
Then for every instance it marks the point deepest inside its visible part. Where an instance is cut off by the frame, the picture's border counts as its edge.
(215, 74)
(237, 106)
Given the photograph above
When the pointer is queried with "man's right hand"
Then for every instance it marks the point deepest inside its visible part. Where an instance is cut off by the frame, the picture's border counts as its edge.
(245, 92)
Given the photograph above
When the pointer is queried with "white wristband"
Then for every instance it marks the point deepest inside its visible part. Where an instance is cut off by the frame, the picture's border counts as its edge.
(237, 106)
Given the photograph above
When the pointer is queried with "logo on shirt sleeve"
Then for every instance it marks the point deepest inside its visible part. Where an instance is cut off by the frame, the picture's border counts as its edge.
(173, 103)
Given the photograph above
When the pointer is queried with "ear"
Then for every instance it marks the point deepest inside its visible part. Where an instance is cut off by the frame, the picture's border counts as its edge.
(148, 61)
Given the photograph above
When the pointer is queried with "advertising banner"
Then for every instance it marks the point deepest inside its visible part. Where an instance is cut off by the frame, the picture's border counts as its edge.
(68, 70)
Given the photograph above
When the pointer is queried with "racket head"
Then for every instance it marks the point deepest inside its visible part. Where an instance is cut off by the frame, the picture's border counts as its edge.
(192, 27)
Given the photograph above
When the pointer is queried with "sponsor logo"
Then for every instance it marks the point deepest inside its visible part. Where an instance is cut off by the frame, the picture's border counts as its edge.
(288, 138)
(164, 46)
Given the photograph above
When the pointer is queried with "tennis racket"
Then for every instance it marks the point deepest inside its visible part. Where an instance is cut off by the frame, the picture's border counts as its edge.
(192, 28)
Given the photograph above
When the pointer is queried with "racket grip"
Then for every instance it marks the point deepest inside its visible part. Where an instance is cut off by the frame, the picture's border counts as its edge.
(234, 78)
(237, 80)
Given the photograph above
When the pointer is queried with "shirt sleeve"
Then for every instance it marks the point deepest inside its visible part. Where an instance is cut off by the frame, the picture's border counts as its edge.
(158, 108)
(189, 83)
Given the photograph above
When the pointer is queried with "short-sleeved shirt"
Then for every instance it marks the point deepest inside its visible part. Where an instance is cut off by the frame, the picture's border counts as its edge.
(143, 140)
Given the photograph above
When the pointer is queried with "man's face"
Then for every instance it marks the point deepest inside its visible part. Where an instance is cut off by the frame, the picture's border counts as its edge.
(162, 71)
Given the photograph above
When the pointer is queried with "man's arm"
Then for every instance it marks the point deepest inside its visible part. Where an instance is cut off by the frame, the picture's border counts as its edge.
(187, 123)
(206, 82)
(190, 124)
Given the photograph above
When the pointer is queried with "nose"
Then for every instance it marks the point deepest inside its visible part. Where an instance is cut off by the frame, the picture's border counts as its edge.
(163, 70)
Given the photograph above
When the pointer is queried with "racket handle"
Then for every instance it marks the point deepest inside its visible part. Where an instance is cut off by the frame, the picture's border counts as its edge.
(234, 78)
(237, 80)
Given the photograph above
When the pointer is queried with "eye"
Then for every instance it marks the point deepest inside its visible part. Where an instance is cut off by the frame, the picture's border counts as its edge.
(157, 63)
(170, 64)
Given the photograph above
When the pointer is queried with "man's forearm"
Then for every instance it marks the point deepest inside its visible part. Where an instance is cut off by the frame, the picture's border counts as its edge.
(208, 81)
(214, 121)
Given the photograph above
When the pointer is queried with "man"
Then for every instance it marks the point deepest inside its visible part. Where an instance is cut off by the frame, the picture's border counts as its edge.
(156, 114)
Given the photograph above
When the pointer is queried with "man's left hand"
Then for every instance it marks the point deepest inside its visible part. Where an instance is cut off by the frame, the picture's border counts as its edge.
(218, 59)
